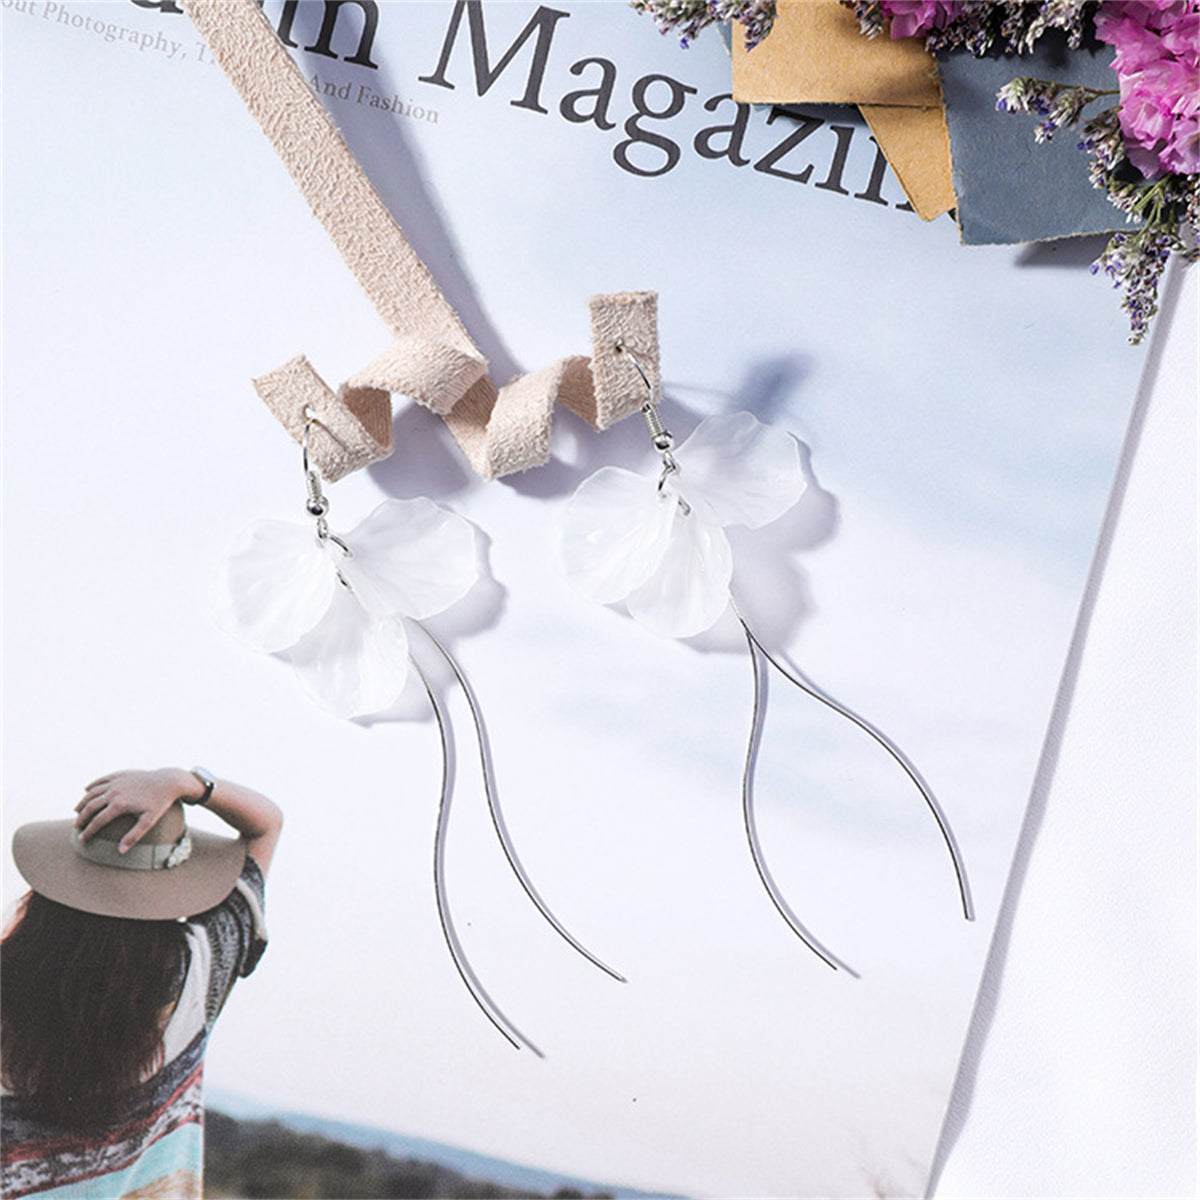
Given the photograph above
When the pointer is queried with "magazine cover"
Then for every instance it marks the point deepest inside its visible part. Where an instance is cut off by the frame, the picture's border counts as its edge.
(620, 885)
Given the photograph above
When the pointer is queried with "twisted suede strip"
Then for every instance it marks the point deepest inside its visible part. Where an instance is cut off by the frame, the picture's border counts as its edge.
(432, 358)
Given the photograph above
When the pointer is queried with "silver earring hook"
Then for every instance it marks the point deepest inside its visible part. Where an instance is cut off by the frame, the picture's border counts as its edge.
(621, 348)
(661, 437)
(316, 504)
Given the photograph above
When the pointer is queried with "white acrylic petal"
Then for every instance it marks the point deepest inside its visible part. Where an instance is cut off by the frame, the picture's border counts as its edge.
(690, 589)
(745, 472)
(614, 533)
(274, 584)
(412, 558)
(352, 664)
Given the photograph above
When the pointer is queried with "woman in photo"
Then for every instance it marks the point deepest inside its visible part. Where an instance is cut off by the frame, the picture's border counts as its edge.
(115, 968)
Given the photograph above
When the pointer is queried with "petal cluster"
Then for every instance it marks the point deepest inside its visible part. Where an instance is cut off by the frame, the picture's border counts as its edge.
(912, 18)
(660, 546)
(1158, 68)
(335, 607)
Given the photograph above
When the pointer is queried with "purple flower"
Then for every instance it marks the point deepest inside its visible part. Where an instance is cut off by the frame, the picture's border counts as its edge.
(1158, 70)
(1182, 151)
(912, 18)
(1182, 38)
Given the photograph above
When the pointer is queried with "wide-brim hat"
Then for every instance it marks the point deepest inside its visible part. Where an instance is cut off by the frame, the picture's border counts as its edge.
(171, 872)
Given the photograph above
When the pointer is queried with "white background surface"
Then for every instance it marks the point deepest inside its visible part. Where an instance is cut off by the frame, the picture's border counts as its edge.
(1079, 1074)
(962, 445)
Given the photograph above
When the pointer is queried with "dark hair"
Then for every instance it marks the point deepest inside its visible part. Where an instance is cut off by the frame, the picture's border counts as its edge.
(82, 1007)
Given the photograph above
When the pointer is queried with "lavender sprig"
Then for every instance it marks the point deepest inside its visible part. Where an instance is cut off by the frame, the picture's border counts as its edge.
(1133, 261)
(982, 26)
(870, 16)
(687, 18)
(1101, 137)
(1060, 104)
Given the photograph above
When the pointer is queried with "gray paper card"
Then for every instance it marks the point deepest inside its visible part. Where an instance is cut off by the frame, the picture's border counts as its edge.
(1010, 188)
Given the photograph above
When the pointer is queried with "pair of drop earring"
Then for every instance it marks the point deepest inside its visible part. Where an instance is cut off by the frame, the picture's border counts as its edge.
(339, 608)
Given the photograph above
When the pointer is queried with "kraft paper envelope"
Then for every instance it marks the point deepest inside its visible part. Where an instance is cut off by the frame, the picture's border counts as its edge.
(916, 143)
(816, 54)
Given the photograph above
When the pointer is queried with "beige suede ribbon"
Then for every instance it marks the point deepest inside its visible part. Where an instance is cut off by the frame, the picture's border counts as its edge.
(432, 358)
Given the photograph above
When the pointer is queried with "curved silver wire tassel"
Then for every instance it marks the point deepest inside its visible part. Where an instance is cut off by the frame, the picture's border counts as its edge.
(318, 506)
(663, 442)
(486, 1004)
(797, 680)
(493, 802)
(760, 865)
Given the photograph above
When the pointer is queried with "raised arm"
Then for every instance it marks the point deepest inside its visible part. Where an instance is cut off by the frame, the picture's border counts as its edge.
(148, 794)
